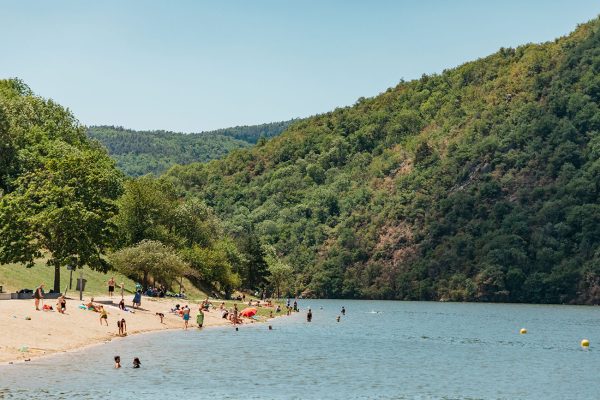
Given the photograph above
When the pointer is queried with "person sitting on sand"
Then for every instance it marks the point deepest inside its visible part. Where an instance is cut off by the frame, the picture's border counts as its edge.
(122, 305)
(37, 295)
(103, 315)
(136, 363)
(225, 314)
(278, 309)
(92, 306)
(61, 304)
(222, 306)
(271, 314)
(117, 362)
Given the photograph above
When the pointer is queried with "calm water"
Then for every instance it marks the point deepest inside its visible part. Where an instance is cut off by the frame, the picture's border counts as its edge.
(380, 350)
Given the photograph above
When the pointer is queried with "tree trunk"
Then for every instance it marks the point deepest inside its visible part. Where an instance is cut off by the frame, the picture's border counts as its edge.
(57, 278)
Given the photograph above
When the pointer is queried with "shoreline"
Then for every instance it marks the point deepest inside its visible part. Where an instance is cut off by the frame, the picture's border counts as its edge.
(48, 334)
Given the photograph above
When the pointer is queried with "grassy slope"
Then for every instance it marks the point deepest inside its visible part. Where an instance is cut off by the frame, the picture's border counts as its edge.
(14, 277)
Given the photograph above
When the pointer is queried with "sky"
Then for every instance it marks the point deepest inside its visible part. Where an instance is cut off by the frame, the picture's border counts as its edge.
(192, 66)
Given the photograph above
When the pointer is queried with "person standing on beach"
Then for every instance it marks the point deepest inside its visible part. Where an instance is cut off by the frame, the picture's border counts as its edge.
(111, 286)
(137, 299)
(235, 314)
(37, 295)
(186, 316)
(200, 318)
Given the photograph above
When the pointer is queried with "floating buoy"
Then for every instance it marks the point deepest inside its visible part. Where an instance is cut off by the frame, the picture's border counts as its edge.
(523, 331)
(585, 343)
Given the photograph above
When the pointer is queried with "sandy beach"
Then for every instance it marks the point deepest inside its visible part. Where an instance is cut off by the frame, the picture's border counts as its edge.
(49, 332)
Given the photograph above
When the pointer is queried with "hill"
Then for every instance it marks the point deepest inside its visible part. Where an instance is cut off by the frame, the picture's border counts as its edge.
(480, 183)
(141, 152)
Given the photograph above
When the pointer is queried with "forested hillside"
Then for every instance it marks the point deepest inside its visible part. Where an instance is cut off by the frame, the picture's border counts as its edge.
(142, 152)
(64, 202)
(479, 184)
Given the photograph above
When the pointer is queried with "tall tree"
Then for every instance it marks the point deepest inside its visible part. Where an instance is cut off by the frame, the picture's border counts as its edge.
(62, 209)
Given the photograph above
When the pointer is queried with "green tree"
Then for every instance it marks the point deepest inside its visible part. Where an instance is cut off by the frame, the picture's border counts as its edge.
(150, 258)
(62, 208)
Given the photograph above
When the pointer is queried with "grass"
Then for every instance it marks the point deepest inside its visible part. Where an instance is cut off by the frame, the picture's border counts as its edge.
(14, 277)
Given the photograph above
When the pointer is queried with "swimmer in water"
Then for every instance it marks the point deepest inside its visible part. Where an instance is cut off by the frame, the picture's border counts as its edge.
(343, 311)
(117, 362)
(309, 315)
(338, 318)
(136, 363)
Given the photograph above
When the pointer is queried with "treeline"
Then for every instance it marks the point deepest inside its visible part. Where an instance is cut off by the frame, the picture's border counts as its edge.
(478, 184)
(63, 199)
(141, 152)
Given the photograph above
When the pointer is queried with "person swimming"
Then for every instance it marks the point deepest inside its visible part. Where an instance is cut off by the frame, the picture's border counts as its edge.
(309, 315)
(136, 363)
(117, 362)
(343, 311)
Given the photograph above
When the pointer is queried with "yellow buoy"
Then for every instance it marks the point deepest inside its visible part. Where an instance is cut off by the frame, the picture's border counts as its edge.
(585, 343)
(523, 331)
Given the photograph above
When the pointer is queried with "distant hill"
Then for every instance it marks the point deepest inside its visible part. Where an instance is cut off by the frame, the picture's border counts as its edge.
(142, 152)
(481, 183)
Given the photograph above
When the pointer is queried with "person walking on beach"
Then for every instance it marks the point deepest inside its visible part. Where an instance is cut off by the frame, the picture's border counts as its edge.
(103, 315)
(186, 316)
(309, 315)
(111, 286)
(37, 295)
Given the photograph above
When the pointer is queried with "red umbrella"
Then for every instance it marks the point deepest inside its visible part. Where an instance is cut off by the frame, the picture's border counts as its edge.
(248, 312)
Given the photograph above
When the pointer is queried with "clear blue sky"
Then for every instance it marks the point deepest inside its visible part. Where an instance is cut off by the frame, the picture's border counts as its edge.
(199, 65)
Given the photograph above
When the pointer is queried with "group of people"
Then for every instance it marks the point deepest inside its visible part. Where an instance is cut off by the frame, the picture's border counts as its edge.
(309, 314)
(136, 362)
(184, 312)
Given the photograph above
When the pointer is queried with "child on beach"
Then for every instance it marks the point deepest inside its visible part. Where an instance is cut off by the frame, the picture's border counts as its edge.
(103, 315)
(161, 316)
(61, 304)
(122, 305)
(117, 362)
(136, 363)
(122, 325)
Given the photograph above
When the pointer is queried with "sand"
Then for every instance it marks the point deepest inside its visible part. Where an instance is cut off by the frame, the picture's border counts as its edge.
(49, 332)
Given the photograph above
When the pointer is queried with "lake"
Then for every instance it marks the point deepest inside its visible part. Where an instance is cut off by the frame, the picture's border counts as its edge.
(379, 350)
